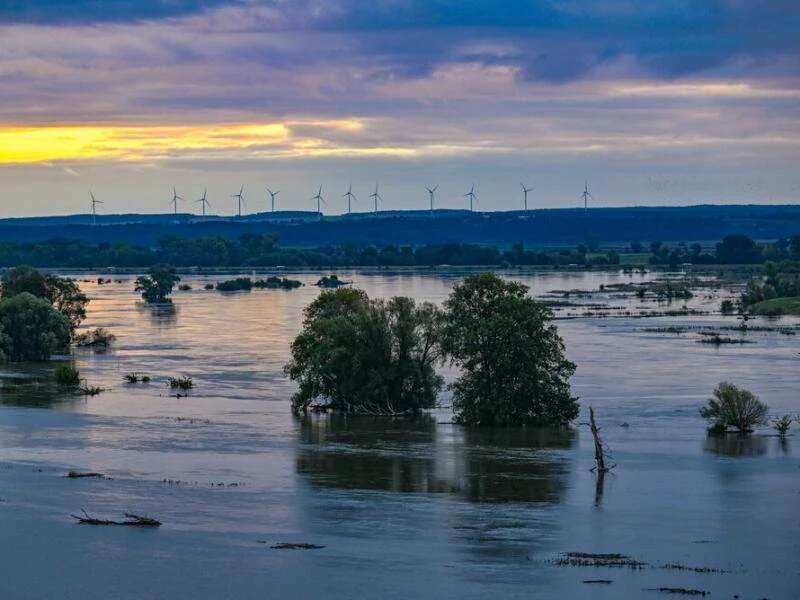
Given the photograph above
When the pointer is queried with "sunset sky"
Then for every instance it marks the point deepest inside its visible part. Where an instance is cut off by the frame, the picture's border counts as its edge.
(668, 102)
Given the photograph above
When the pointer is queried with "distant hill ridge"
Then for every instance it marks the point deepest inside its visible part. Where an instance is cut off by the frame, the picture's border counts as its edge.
(533, 227)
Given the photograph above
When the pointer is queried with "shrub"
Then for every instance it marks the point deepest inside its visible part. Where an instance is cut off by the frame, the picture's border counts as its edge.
(734, 407)
(277, 283)
(727, 307)
(185, 287)
(240, 284)
(67, 375)
(782, 424)
(134, 377)
(97, 338)
(208, 286)
(182, 383)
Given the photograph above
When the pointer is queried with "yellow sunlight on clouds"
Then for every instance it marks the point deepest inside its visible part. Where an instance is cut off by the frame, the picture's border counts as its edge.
(38, 144)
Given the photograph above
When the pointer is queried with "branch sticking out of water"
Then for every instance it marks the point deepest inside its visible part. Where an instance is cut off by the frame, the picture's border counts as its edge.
(131, 520)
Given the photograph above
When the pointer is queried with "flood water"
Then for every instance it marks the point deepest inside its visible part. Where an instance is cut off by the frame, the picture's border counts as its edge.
(421, 509)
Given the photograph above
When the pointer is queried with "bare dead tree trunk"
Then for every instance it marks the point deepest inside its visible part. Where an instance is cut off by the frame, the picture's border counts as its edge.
(598, 444)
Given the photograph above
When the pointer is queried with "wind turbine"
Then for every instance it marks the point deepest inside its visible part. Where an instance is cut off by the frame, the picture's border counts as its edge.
(272, 197)
(586, 195)
(375, 197)
(432, 192)
(203, 201)
(241, 199)
(349, 195)
(525, 191)
(175, 199)
(320, 200)
(471, 195)
(95, 202)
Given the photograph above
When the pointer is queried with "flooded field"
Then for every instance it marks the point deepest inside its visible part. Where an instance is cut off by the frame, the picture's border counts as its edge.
(398, 509)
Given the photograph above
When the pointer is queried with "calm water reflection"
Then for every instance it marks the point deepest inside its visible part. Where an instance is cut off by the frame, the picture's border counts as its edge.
(419, 456)
(419, 509)
(739, 445)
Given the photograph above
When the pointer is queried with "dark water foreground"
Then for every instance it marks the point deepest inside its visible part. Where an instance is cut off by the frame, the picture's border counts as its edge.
(402, 509)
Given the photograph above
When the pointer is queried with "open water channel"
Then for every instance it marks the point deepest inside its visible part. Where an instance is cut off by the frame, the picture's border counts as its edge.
(422, 509)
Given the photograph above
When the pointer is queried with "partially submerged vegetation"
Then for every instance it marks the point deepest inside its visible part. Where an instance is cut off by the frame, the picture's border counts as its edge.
(366, 356)
(245, 284)
(369, 356)
(732, 407)
(99, 338)
(157, 284)
(181, 383)
(134, 377)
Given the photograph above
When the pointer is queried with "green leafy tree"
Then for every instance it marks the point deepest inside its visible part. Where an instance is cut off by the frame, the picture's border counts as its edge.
(157, 285)
(734, 407)
(64, 294)
(23, 278)
(68, 299)
(514, 371)
(32, 330)
(367, 356)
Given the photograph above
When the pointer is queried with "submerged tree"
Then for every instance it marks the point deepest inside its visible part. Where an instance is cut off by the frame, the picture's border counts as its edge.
(734, 407)
(514, 371)
(367, 356)
(157, 285)
(31, 329)
(64, 294)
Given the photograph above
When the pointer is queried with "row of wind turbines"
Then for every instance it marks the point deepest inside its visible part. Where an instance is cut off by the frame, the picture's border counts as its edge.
(320, 200)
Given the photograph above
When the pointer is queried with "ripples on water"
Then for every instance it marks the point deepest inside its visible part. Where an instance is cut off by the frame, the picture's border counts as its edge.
(405, 509)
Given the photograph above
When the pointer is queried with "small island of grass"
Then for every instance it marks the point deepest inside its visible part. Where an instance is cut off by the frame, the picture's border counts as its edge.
(776, 307)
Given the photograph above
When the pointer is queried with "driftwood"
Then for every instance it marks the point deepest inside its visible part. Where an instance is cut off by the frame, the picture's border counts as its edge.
(293, 546)
(81, 475)
(131, 520)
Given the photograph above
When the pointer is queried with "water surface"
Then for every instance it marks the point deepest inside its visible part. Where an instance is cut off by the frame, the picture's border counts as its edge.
(404, 509)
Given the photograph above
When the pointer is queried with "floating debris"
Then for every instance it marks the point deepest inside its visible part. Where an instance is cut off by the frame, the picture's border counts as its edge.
(588, 559)
(80, 475)
(293, 546)
(681, 591)
(132, 520)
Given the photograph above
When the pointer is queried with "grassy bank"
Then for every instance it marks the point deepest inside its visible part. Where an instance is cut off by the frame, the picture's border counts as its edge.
(777, 306)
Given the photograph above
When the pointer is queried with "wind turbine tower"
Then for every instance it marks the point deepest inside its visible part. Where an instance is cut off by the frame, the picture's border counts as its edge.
(174, 200)
(240, 198)
(525, 191)
(203, 202)
(349, 195)
(431, 192)
(375, 197)
(320, 201)
(272, 197)
(586, 195)
(471, 195)
(95, 202)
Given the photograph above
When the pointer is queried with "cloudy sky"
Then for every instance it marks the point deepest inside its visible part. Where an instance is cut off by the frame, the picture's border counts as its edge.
(653, 102)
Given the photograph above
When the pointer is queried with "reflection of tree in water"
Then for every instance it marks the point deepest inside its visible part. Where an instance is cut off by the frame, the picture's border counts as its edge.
(520, 465)
(737, 445)
(33, 388)
(162, 315)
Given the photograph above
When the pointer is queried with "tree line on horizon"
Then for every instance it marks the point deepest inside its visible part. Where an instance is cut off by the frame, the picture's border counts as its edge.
(264, 250)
